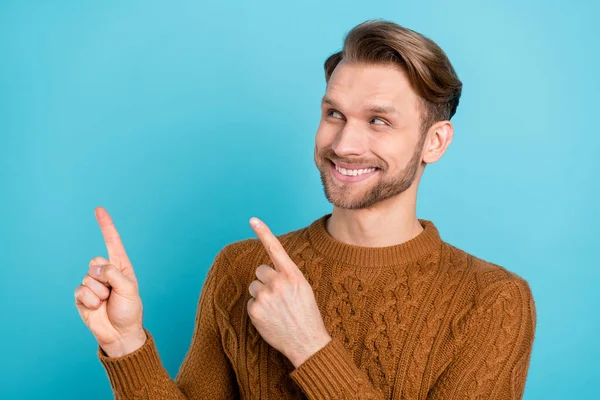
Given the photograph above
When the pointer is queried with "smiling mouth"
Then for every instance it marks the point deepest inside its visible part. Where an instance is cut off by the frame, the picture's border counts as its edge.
(354, 172)
(349, 173)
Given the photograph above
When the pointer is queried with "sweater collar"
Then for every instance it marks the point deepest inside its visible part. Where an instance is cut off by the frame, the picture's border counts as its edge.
(426, 242)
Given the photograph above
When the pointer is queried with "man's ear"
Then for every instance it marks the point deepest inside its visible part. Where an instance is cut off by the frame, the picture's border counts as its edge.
(439, 137)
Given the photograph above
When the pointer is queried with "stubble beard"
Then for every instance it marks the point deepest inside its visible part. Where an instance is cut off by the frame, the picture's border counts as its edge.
(384, 188)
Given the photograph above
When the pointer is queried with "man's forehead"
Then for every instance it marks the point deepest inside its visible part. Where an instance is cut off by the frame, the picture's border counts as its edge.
(379, 104)
(372, 101)
(369, 85)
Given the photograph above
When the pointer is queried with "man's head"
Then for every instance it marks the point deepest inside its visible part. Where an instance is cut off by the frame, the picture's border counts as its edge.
(390, 95)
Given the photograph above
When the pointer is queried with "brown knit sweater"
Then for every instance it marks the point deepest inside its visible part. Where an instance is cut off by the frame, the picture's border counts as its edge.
(418, 320)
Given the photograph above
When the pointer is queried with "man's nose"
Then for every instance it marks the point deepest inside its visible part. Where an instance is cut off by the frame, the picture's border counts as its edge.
(349, 141)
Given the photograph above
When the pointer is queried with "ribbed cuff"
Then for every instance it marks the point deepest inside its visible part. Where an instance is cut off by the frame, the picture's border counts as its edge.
(131, 373)
(328, 373)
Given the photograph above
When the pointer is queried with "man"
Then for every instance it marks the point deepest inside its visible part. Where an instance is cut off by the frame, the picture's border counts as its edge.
(365, 303)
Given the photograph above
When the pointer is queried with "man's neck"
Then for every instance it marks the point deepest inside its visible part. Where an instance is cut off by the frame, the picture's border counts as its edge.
(388, 223)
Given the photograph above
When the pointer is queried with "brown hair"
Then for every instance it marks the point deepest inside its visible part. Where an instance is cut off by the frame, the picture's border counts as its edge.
(427, 66)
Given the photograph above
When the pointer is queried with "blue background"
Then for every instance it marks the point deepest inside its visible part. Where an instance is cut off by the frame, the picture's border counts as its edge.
(185, 118)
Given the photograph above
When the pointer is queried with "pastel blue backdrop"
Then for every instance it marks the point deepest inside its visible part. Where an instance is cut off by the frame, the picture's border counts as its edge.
(185, 118)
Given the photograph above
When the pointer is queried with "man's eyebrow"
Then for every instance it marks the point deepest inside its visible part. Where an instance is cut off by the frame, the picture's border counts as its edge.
(327, 100)
(382, 109)
(374, 108)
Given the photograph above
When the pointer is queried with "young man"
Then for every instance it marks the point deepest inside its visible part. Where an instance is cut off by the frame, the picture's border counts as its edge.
(365, 303)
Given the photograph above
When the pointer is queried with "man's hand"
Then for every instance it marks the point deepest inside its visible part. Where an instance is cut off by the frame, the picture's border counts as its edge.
(283, 307)
(108, 299)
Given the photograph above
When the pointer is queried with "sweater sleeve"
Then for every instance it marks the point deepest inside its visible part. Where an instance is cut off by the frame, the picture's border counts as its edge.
(330, 373)
(494, 359)
(204, 374)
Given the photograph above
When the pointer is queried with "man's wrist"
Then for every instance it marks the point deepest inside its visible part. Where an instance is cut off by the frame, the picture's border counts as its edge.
(126, 346)
(298, 357)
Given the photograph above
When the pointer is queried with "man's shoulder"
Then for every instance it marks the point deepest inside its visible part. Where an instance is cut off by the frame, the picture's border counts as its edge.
(486, 277)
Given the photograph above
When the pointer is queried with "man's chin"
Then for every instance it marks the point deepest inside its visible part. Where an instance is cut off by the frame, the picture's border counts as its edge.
(350, 196)
(348, 202)
(351, 205)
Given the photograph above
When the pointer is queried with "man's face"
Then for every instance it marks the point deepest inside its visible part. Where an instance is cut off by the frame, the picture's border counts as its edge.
(368, 145)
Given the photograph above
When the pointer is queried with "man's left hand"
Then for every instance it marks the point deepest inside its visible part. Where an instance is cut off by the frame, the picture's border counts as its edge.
(283, 307)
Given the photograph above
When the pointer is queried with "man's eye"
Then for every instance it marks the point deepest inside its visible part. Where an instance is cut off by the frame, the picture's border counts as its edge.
(381, 122)
(334, 114)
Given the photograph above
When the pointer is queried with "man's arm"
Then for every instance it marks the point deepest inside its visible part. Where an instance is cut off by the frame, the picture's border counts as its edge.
(204, 374)
(494, 359)
(331, 374)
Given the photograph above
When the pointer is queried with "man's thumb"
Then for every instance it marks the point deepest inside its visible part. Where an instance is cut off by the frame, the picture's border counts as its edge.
(114, 278)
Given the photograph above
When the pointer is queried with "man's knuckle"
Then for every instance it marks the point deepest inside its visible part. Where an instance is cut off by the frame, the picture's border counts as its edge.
(81, 292)
(113, 239)
(261, 296)
(277, 284)
(96, 260)
(274, 247)
(252, 308)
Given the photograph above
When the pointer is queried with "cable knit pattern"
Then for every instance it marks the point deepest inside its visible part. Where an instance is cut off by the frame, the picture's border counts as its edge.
(440, 302)
(386, 318)
(252, 365)
(342, 310)
(231, 291)
(418, 320)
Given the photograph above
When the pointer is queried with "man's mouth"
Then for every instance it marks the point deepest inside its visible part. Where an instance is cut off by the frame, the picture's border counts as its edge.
(352, 173)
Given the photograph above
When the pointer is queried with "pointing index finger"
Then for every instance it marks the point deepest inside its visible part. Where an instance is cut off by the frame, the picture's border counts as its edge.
(114, 245)
(279, 256)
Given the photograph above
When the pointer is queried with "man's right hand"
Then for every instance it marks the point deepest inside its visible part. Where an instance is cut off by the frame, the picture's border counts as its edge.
(108, 299)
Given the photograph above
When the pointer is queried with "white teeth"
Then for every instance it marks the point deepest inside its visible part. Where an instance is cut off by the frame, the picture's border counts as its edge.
(354, 172)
